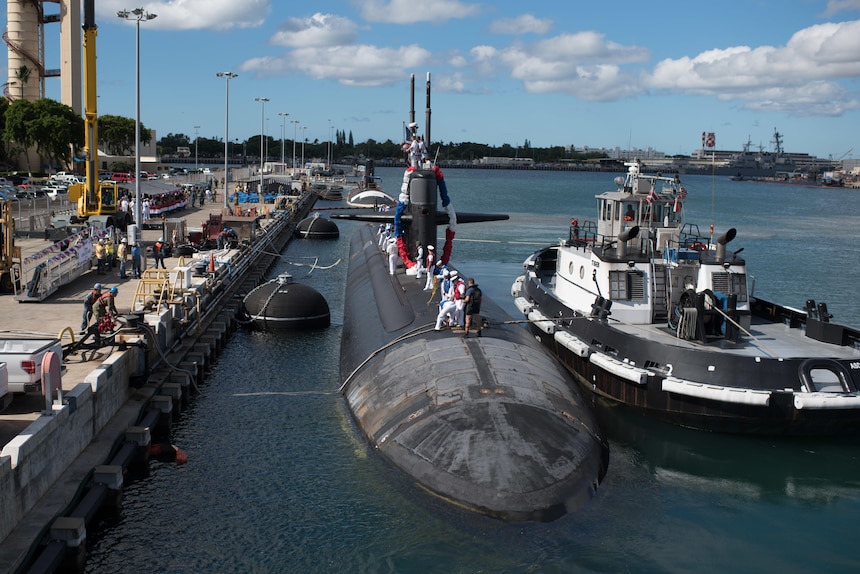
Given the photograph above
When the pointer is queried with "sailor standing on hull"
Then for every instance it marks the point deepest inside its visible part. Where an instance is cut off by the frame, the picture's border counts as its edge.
(447, 308)
(431, 267)
(459, 297)
(419, 260)
(391, 249)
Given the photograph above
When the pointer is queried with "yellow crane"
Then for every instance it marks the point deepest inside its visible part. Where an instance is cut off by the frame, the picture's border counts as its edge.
(96, 200)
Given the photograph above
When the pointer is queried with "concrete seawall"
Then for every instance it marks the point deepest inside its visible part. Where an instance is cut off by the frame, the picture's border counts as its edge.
(115, 401)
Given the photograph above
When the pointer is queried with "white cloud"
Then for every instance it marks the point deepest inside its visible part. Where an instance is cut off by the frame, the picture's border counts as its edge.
(195, 14)
(583, 64)
(587, 47)
(834, 6)
(318, 30)
(411, 11)
(357, 65)
(770, 76)
(521, 25)
(812, 99)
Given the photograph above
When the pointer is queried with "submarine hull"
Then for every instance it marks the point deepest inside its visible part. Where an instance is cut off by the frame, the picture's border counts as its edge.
(489, 423)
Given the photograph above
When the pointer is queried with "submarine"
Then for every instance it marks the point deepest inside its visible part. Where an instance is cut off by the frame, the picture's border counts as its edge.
(491, 424)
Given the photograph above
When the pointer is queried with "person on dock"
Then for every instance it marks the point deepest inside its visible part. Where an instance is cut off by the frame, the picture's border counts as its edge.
(106, 311)
(136, 260)
(89, 301)
(109, 253)
(100, 252)
(158, 253)
(122, 255)
(472, 303)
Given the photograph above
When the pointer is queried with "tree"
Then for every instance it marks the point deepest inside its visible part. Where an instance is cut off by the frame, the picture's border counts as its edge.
(19, 119)
(117, 134)
(23, 76)
(168, 144)
(57, 129)
(4, 106)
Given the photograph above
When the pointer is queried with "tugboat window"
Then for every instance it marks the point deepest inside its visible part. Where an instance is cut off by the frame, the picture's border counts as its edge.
(626, 285)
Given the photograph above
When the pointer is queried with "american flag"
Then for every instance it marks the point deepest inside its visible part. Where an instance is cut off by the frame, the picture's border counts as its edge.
(652, 194)
(682, 192)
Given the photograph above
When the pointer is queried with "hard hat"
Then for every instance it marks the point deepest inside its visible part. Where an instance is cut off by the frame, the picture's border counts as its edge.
(124, 240)
(160, 239)
(97, 286)
(101, 241)
(114, 290)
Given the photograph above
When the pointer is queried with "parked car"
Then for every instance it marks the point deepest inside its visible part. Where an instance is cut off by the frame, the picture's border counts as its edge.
(122, 177)
(55, 191)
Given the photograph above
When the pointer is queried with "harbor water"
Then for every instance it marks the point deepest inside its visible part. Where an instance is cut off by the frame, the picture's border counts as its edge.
(279, 479)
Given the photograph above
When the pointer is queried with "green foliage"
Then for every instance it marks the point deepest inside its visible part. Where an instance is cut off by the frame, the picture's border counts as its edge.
(48, 125)
(117, 134)
(122, 167)
(344, 145)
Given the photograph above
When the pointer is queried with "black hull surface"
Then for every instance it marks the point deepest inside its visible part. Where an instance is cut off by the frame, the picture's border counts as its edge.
(708, 387)
(490, 423)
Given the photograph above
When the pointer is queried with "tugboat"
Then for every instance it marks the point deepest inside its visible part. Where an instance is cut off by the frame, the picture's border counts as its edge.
(646, 311)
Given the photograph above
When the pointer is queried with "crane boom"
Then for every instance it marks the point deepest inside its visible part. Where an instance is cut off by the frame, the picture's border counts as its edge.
(91, 141)
(97, 201)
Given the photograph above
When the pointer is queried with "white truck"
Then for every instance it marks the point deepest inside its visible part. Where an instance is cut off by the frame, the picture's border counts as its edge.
(23, 358)
(5, 394)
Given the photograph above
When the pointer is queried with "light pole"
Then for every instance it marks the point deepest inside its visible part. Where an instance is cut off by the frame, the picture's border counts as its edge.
(293, 165)
(138, 14)
(303, 146)
(196, 137)
(328, 159)
(283, 131)
(227, 77)
(262, 134)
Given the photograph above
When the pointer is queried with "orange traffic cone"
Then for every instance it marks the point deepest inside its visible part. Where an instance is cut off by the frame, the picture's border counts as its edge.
(211, 263)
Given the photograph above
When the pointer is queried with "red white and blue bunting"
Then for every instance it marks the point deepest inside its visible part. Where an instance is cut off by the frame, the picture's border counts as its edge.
(403, 203)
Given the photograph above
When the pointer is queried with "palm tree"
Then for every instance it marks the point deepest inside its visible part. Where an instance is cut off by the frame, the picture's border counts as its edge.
(23, 76)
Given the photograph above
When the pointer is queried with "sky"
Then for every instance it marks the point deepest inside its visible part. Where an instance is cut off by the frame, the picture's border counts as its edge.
(583, 73)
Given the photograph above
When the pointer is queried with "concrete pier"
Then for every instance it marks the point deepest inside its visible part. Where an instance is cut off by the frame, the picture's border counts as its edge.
(116, 399)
